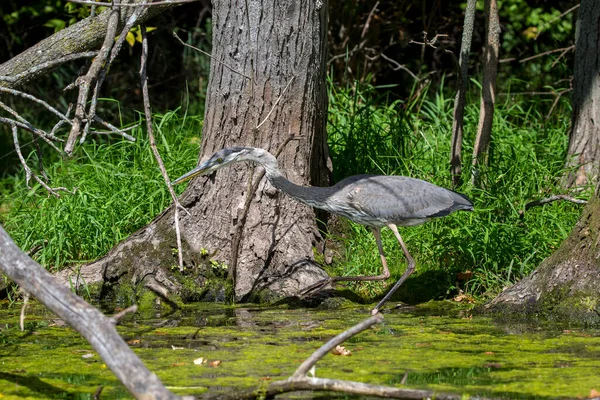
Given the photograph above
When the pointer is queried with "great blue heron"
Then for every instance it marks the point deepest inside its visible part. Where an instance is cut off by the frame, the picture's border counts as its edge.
(375, 201)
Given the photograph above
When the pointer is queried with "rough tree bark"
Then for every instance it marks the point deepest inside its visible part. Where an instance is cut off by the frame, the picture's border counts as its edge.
(461, 93)
(48, 54)
(565, 286)
(488, 86)
(584, 139)
(259, 49)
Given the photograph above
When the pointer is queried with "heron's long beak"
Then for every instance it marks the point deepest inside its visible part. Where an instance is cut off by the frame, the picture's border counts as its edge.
(199, 170)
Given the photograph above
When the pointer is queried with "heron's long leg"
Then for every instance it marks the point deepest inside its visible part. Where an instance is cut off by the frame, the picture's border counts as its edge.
(384, 275)
(409, 270)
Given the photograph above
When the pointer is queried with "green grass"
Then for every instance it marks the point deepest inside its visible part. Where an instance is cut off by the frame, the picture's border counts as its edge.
(496, 243)
(119, 190)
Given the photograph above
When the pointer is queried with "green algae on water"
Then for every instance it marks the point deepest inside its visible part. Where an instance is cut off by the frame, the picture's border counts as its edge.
(244, 348)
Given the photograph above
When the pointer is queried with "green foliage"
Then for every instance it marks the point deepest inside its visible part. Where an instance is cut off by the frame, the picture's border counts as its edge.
(118, 190)
(497, 243)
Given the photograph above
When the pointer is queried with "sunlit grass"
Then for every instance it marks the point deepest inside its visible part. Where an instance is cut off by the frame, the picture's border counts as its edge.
(497, 243)
(119, 190)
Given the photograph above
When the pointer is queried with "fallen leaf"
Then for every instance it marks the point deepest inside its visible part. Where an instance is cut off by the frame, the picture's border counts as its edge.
(464, 298)
(176, 348)
(134, 341)
(594, 394)
(266, 378)
(341, 351)
(179, 364)
(215, 363)
(88, 355)
(489, 353)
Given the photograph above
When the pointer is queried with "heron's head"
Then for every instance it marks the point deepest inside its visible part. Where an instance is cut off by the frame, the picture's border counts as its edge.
(220, 159)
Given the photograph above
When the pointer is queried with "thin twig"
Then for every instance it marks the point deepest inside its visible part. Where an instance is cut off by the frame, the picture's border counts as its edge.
(555, 19)
(102, 74)
(299, 381)
(114, 129)
(306, 366)
(28, 173)
(545, 53)
(554, 198)
(366, 27)
(161, 166)
(36, 100)
(23, 308)
(91, 76)
(209, 55)
(398, 66)
(118, 316)
(276, 102)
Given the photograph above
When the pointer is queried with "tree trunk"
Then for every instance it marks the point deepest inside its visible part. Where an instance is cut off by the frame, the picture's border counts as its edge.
(565, 286)
(257, 52)
(488, 86)
(458, 122)
(584, 139)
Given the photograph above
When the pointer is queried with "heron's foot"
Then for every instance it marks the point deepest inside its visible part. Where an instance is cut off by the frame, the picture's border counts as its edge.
(316, 287)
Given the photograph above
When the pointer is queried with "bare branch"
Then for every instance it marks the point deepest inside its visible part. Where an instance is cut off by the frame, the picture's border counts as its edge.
(114, 129)
(48, 65)
(23, 308)
(87, 320)
(161, 165)
(276, 102)
(28, 173)
(554, 198)
(398, 66)
(327, 347)
(461, 93)
(300, 381)
(86, 81)
(564, 50)
(366, 27)
(28, 96)
(556, 19)
(28, 127)
(116, 47)
(118, 316)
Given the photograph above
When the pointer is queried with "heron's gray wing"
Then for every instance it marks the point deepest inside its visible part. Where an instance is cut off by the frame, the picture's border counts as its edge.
(399, 198)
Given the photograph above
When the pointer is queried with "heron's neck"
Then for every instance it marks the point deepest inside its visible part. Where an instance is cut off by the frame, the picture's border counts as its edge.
(310, 195)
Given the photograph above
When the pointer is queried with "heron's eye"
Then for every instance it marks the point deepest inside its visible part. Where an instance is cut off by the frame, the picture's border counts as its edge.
(219, 160)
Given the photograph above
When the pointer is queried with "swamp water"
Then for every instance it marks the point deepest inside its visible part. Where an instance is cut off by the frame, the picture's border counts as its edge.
(244, 348)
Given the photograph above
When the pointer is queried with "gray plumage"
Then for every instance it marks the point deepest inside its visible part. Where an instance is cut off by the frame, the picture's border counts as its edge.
(375, 201)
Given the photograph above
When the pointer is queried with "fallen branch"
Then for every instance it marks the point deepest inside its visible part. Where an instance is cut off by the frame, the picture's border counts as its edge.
(300, 381)
(159, 161)
(92, 76)
(94, 326)
(554, 198)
